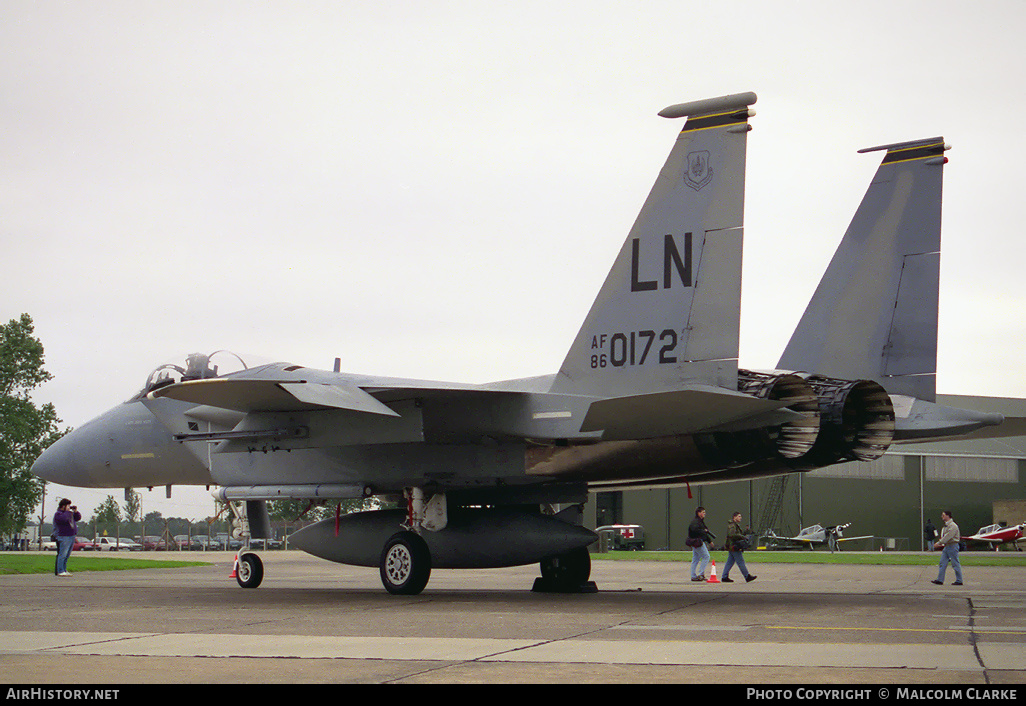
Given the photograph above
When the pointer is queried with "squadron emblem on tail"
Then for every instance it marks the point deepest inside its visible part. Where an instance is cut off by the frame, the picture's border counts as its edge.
(699, 172)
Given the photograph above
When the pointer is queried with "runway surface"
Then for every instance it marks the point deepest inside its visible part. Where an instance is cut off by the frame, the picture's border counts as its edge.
(312, 621)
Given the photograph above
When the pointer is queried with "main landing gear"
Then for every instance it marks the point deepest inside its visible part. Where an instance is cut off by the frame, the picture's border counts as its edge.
(566, 573)
(405, 561)
(405, 564)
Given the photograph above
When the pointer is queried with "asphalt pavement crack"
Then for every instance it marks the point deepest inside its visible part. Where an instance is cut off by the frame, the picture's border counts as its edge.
(972, 639)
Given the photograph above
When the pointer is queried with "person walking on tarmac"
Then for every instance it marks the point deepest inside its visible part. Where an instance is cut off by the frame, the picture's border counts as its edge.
(948, 544)
(698, 537)
(737, 542)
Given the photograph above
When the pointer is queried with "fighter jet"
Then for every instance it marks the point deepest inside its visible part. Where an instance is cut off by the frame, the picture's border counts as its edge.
(815, 535)
(649, 394)
(997, 534)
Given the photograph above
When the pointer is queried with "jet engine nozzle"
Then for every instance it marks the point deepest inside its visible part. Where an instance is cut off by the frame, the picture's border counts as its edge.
(856, 422)
(777, 442)
(792, 439)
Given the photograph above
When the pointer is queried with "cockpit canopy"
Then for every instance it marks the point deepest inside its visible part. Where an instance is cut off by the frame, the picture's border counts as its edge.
(194, 366)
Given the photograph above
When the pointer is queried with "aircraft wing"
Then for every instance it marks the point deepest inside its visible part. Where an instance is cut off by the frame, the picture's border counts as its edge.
(850, 539)
(468, 411)
(993, 540)
(988, 540)
(249, 395)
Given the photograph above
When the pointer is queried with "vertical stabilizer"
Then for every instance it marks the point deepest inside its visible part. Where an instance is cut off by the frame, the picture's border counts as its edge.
(668, 312)
(874, 314)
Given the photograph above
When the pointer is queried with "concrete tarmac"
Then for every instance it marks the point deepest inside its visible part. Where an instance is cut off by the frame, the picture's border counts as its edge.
(312, 622)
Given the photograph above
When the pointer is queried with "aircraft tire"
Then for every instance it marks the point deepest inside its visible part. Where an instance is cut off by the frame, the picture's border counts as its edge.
(567, 571)
(405, 564)
(250, 572)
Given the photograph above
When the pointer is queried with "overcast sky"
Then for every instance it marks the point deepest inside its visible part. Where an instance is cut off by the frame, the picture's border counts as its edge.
(438, 189)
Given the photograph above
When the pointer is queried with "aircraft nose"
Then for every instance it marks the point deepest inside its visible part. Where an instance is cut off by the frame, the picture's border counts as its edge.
(71, 460)
(56, 463)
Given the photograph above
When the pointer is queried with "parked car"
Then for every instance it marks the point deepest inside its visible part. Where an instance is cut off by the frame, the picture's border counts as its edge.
(152, 543)
(228, 542)
(204, 543)
(264, 544)
(83, 544)
(113, 544)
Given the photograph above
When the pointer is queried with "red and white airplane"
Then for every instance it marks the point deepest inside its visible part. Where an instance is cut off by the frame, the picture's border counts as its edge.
(996, 535)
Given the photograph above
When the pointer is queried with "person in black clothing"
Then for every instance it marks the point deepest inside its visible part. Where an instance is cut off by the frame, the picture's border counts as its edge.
(929, 535)
(698, 537)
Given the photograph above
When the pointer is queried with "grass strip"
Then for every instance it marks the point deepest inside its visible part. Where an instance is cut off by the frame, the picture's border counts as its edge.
(29, 563)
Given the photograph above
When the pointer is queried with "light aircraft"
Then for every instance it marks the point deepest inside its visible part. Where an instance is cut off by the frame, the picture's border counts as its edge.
(649, 394)
(815, 535)
(996, 535)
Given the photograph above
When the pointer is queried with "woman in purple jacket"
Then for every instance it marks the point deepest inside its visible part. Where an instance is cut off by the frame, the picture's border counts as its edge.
(65, 529)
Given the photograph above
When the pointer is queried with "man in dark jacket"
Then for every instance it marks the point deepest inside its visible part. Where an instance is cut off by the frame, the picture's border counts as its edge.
(929, 535)
(698, 537)
(65, 529)
(736, 537)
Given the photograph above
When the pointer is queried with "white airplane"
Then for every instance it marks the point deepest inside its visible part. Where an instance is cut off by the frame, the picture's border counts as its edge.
(817, 535)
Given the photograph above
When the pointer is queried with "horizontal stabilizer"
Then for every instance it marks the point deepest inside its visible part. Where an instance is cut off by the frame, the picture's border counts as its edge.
(918, 419)
(273, 396)
(696, 408)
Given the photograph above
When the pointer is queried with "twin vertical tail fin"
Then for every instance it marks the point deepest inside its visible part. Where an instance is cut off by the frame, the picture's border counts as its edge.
(668, 313)
(874, 314)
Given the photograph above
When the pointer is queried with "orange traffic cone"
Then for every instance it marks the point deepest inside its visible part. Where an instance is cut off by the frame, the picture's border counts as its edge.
(235, 568)
(712, 574)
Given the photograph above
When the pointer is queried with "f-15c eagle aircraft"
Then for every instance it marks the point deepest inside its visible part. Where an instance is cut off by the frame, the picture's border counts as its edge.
(649, 394)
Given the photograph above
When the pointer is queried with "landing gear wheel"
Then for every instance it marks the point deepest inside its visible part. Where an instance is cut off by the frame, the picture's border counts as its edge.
(405, 564)
(250, 572)
(566, 573)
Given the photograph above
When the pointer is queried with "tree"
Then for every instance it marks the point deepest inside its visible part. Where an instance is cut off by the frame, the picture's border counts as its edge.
(107, 514)
(133, 504)
(25, 429)
(133, 510)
